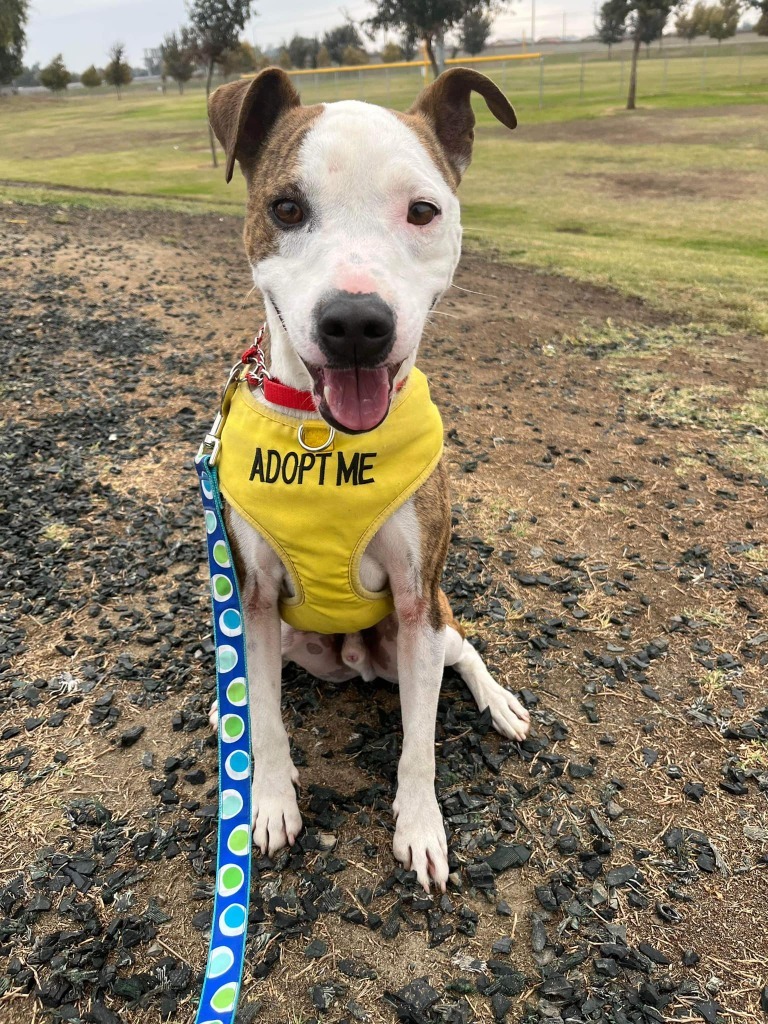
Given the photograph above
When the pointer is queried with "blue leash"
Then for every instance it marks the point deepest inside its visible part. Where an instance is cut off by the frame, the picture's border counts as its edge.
(229, 928)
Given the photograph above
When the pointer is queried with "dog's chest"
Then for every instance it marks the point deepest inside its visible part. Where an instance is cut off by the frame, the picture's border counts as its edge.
(319, 510)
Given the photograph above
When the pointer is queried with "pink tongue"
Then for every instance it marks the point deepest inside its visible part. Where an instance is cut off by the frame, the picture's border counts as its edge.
(357, 399)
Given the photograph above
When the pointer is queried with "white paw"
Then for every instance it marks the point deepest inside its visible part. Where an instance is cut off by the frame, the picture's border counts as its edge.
(213, 715)
(276, 817)
(508, 715)
(419, 842)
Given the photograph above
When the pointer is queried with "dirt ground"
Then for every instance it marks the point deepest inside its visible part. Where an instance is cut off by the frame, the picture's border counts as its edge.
(609, 557)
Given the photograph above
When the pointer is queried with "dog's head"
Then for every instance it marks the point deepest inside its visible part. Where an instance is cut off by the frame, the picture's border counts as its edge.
(352, 226)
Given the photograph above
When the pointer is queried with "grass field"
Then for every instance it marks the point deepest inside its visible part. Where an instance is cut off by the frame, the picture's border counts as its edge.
(669, 202)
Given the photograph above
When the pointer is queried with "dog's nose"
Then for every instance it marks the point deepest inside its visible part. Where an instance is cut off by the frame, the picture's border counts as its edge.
(356, 329)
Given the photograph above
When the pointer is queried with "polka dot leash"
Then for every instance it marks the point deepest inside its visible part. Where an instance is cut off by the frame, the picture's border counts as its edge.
(224, 970)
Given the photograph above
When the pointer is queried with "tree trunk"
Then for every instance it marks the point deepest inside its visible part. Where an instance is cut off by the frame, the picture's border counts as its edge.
(633, 74)
(609, 51)
(440, 50)
(431, 55)
(211, 137)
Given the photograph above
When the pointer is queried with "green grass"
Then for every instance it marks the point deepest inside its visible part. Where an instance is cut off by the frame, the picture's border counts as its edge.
(669, 202)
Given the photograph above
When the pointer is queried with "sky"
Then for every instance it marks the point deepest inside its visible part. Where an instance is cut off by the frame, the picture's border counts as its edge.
(83, 30)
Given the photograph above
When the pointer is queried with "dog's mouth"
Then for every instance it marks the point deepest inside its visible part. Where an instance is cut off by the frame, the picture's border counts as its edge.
(353, 399)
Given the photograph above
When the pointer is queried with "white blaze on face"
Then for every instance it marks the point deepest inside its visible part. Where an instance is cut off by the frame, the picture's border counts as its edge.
(359, 169)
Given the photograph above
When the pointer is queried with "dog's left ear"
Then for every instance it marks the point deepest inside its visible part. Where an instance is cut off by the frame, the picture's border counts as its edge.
(243, 113)
(446, 106)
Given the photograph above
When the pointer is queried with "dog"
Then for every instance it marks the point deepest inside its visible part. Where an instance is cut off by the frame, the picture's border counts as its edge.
(353, 233)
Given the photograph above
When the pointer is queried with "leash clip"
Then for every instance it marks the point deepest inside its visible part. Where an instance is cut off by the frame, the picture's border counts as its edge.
(211, 445)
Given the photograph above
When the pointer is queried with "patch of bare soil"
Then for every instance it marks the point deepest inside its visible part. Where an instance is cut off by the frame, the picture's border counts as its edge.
(608, 556)
(678, 186)
(651, 127)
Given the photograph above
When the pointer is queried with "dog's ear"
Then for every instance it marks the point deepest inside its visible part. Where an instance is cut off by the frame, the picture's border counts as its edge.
(243, 113)
(446, 106)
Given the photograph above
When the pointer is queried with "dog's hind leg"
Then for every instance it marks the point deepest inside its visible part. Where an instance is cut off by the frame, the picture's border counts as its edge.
(508, 715)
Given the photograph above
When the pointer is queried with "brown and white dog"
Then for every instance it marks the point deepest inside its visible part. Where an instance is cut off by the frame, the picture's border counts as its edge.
(353, 234)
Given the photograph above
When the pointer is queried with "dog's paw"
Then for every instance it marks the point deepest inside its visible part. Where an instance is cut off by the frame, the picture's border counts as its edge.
(419, 843)
(213, 716)
(508, 715)
(276, 818)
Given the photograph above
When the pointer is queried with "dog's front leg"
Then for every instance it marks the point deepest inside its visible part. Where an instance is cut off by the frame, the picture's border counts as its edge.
(276, 818)
(419, 842)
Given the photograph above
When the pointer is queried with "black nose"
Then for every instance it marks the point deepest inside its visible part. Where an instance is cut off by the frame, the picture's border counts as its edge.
(355, 329)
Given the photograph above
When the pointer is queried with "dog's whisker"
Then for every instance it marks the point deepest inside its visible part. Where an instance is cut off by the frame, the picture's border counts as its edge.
(439, 312)
(471, 291)
(247, 296)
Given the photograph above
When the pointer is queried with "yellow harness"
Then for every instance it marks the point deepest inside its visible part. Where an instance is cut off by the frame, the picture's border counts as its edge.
(319, 510)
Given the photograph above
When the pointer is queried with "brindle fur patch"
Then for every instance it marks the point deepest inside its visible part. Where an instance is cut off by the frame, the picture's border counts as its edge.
(421, 125)
(433, 510)
(261, 123)
(273, 175)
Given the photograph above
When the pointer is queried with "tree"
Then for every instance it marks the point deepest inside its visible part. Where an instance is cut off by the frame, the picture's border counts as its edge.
(391, 52)
(408, 42)
(700, 18)
(118, 72)
(687, 25)
(303, 51)
(647, 19)
(177, 55)
(427, 20)
(653, 27)
(55, 75)
(338, 39)
(13, 20)
(611, 26)
(762, 24)
(323, 57)
(153, 60)
(28, 76)
(475, 29)
(217, 25)
(723, 20)
(241, 59)
(91, 77)
(353, 56)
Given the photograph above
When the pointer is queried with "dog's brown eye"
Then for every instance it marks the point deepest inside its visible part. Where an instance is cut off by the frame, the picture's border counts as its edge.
(422, 213)
(288, 212)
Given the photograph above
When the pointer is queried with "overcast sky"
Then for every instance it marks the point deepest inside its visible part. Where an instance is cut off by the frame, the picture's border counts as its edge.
(84, 32)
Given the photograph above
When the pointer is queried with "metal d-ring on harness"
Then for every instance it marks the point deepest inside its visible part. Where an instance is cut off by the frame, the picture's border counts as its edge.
(229, 924)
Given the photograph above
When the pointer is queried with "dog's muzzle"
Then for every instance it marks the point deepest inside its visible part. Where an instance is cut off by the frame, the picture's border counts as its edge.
(355, 333)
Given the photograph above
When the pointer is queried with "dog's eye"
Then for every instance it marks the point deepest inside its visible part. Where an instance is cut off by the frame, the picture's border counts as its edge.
(288, 212)
(422, 213)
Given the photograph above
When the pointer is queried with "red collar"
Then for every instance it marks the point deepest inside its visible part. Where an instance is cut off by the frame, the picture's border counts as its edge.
(291, 398)
(274, 390)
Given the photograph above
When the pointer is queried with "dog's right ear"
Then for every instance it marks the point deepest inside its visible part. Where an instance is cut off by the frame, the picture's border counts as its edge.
(243, 113)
